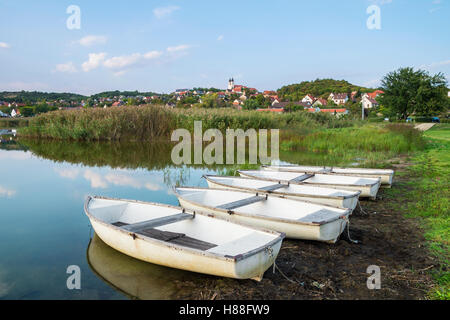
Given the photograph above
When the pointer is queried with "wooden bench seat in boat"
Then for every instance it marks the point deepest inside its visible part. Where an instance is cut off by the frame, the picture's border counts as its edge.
(303, 177)
(241, 203)
(273, 187)
(154, 223)
(147, 228)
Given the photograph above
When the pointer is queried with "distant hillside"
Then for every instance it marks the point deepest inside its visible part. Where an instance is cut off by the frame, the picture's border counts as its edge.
(319, 88)
(35, 96)
(117, 93)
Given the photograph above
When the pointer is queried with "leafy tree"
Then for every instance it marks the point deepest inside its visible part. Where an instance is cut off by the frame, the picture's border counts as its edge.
(42, 108)
(408, 92)
(26, 111)
(212, 101)
(251, 104)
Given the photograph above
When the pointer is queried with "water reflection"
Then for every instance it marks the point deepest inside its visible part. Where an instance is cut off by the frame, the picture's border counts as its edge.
(134, 278)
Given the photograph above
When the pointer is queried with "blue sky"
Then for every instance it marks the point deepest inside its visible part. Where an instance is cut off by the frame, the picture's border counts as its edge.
(164, 45)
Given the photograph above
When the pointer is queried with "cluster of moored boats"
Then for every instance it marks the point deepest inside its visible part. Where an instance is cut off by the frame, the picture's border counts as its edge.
(235, 227)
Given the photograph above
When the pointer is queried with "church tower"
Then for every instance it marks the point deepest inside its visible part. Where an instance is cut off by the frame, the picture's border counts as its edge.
(230, 84)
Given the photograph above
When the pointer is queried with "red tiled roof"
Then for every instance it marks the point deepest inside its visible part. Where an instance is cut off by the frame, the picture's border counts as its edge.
(374, 94)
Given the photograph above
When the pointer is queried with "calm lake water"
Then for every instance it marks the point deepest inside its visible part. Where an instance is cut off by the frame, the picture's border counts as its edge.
(44, 230)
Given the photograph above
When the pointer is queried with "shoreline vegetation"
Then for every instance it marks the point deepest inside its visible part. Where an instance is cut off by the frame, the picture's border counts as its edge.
(326, 140)
(147, 122)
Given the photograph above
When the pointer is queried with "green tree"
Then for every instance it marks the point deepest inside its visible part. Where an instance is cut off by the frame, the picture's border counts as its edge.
(408, 92)
(27, 111)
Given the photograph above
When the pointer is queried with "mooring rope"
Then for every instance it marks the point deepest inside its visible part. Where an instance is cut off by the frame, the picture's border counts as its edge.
(348, 231)
(284, 276)
(361, 209)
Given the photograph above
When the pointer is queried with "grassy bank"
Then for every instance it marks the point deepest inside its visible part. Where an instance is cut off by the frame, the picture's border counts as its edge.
(431, 192)
(368, 145)
(423, 193)
(147, 122)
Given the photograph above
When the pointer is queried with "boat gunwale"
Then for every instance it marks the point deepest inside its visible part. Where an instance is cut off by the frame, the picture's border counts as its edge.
(344, 215)
(280, 194)
(236, 258)
(314, 183)
(287, 169)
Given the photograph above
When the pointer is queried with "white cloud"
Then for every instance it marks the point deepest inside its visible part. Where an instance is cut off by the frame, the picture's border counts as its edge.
(94, 61)
(95, 179)
(163, 12)
(67, 173)
(4, 45)
(91, 40)
(220, 38)
(182, 47)
(435, 64)
(153, 54)
(122, 179)
(68, 67)
(8, 193)
(123, 62)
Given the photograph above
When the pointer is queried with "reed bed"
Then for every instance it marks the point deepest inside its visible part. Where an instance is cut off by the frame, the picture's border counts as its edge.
(116, 123)
(147, 122)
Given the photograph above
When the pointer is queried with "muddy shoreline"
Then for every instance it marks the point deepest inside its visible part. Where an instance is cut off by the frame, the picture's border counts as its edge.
(315, 270)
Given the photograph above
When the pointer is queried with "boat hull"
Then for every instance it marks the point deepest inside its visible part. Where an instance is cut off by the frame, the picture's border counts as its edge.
(340, 202)
(157, 252)
(328, 232)
(367, 191)
(386, 177)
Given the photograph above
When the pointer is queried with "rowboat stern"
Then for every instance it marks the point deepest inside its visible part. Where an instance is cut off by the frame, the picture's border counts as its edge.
(330, 232)
(254, 265)
(351, 202)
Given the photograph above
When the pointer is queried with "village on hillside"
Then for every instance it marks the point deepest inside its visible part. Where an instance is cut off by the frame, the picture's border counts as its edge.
(236, 96)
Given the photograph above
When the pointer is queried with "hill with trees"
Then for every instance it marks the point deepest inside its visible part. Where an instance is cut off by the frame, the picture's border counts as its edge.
(117, 93)
(33, 97)
(320, 88)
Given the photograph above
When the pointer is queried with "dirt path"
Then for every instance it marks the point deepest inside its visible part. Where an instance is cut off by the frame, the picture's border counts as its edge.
(323, 271)
(424, 126)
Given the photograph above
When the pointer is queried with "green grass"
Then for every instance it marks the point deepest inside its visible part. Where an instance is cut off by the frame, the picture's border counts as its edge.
(369, 145)
(431, 194)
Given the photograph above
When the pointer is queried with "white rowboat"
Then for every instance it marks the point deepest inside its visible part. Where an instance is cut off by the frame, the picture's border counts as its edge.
(173, 237)
(297, 219)
(368, 186)
(327, 196)
(386, 175)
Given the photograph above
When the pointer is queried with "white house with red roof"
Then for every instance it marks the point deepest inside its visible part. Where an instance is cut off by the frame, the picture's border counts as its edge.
(320, 102)
(309, 98)
(369, 102)
(338, 98)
